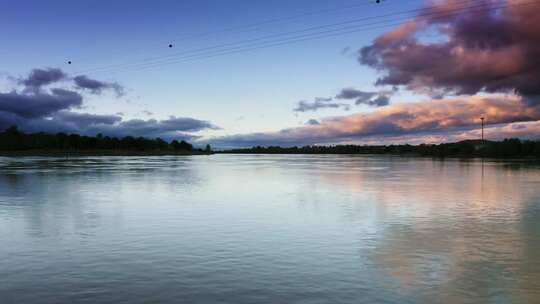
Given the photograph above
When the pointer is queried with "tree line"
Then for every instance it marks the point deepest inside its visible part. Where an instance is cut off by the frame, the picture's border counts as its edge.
(508, 148)
(12, 139)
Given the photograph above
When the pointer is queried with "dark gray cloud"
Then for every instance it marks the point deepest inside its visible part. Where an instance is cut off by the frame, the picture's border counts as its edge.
(488, 50)
(350, 93)
(171, 128)
(110, 125)
(153, 126)
(36, 109)
(40, 104)
(97, 86)
(380, 101)
(318, 104)
(59, 122)
(313, 122)
(41, 77)
(375, 99)
(83, 120)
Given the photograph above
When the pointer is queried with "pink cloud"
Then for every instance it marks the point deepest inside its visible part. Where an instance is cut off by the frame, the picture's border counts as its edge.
(490, 48)
(406, 121)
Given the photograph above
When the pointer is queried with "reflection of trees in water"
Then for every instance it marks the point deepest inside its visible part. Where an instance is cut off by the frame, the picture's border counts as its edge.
(60, 196)
(433, 188)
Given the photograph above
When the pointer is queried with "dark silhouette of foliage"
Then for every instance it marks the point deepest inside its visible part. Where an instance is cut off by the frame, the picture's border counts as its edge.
(181, 146)
(508, 148)
(12, 139)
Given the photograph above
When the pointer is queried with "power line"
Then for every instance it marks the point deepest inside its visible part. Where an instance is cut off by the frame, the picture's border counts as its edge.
(275, 20)
(150, 59)
(252, 26)
(207, 53)
(239, 50)
(246, 41)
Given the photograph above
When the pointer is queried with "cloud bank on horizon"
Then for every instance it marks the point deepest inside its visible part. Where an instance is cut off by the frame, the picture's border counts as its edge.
(487, 63)
(37, 108)
(403, 119)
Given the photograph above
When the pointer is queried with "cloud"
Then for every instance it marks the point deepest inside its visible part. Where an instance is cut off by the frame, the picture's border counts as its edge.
(171, 128)
(525, 130)
(39, 104)
(35, 109)
(110, 125)
(96, 86)
(319, 103)
(380, 101)
(376, 99)
(349, 93)
(83, 120)
(482, 50)
(41, 77)
(373, 99)
(404, 119)
(313, 122)
(38, 78)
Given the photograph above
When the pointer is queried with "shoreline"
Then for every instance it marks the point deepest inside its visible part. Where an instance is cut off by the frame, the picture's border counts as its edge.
(127, 153)
(405, 155)
(77, 153)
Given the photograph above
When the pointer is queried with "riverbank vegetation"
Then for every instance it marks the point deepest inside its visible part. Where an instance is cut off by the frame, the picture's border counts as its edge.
(508, 148)
(14, 142)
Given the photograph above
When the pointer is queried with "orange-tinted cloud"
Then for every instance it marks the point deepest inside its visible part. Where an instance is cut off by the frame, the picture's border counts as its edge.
(406, 120)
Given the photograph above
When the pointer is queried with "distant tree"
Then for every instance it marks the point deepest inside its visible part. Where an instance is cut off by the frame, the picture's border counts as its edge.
(208, 149)
(181, 146)
(175, 145)
(13, 130)
(13, 139)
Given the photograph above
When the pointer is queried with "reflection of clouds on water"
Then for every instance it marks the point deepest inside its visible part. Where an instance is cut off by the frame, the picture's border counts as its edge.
(433, 227)
(62, 196)
(465, 257)
(426, 188)
(529, 283)
(446, 228)
(384, 229)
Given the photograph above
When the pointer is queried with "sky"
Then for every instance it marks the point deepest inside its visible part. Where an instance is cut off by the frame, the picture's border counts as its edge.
(240, 73)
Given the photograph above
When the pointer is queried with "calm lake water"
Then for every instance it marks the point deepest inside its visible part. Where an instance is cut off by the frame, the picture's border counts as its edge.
(268, 229)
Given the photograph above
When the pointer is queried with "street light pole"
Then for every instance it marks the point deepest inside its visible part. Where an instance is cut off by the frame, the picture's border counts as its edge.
(482, 118)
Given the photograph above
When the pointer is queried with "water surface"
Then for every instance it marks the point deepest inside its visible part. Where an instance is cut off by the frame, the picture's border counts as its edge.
(268, 229)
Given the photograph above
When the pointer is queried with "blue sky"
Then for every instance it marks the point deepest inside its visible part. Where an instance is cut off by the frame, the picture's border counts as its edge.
(241, 93)
(249, 91)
